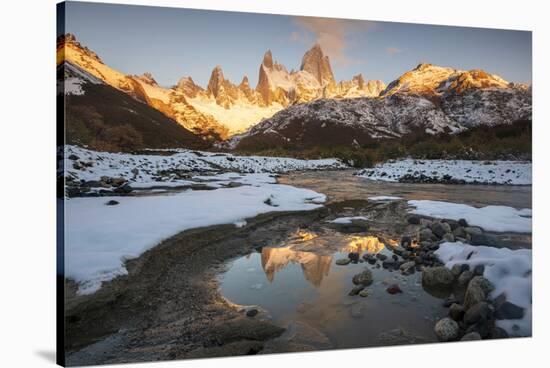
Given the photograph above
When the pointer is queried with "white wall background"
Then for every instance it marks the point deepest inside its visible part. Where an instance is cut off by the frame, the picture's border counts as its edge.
(27, 185)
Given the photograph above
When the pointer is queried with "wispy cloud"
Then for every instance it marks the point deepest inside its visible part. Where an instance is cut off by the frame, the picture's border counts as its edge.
(393, 50)
(334, 36)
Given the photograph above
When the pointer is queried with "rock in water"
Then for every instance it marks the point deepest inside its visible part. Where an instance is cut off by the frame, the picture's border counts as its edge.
(446, 329)
(437, 277)
(394, 289)
(364, 293)
(364, 278)
(356, 290)
(343, 261)
(112, 202)
(354, 256)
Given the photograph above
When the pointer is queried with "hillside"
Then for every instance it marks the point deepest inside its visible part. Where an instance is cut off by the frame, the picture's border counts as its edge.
(104, 118)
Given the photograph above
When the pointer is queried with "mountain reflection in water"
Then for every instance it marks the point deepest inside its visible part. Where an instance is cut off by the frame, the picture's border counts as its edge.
(314, 253)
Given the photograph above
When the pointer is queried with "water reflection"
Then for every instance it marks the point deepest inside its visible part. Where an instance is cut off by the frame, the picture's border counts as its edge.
(314, 253)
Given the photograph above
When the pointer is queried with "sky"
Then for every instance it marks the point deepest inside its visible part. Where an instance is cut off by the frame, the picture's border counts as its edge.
(171, 43)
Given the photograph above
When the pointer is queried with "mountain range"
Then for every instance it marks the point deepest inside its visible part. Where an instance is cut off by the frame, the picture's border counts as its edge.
(309, 107)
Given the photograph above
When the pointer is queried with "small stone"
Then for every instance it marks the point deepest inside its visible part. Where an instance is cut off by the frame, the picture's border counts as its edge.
(112, 202)
(381, 256)
(439, 229)
(471, 336)
(364, 293)
(343, 261)
(414, 220)
(353, 256)
(406, 241)
(456, 312)
(446, 330)
(364, 278)
(394, 289)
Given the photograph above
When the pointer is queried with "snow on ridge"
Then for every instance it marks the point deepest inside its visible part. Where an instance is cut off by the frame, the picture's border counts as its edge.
(510, 272)
(490, 172)
(490, 218)
(153, 170)
(99, 238)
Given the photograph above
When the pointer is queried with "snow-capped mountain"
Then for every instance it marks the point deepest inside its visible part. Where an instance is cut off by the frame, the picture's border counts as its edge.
(223, 108)
(428, 98)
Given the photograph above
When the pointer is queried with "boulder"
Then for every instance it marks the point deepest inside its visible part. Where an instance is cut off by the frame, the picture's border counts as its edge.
(446, 329)
(437, 277)
(477, 291)
(414, 220)
(462, 222)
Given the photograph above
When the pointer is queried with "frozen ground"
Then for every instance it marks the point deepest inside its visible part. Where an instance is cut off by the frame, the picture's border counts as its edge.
(142, 171)
(490, 218)
(510, 272)
(451, 171)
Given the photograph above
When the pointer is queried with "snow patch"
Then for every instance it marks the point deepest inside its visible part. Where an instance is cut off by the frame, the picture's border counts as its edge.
(490, 218)
(508, 270)
(99, 238)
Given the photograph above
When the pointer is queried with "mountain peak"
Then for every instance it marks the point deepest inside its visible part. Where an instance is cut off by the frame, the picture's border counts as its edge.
(317, 64)
(148, 78)
(216, 81)
(268, 59)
